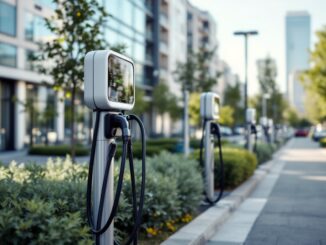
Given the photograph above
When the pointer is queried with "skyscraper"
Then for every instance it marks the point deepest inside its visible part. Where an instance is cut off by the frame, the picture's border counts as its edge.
(297, 55)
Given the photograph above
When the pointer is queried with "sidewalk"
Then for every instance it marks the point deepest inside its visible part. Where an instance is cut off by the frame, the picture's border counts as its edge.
(23, 157)
(288, 206)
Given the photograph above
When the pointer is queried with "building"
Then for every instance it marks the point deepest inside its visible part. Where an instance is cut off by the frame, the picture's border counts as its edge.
(298, 30)
(21, 27)
(202, 34)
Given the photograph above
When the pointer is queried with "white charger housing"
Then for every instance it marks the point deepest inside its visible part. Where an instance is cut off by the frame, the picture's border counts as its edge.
(264, 121)
(251, 115)
(209, 106)
(109, 81)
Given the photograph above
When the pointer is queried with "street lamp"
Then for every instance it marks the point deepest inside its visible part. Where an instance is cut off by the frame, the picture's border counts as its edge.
(246, 34)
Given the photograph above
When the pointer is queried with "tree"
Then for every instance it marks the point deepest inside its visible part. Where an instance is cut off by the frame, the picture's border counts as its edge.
(76, 27)
(232, 98)
(47, 116)
(164, 101)
(226, 116)
(141, 106)
(314, 79)
(276, 104)
(194, 109)
(194, 75)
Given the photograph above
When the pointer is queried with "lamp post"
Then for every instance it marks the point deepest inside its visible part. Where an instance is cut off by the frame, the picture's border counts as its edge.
(246, 34)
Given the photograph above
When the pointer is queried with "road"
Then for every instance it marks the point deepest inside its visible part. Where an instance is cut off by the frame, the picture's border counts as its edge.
(288, 206)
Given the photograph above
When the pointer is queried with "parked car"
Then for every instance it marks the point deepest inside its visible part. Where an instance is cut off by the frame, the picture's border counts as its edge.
(301, 132)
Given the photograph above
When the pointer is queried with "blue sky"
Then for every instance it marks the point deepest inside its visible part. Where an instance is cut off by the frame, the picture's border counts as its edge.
(266, 16)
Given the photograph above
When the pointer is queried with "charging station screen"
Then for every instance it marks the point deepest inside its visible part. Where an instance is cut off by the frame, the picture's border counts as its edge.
(120, 80)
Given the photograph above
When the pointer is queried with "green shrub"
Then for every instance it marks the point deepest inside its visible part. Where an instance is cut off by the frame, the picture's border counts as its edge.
(239, 165)
(57, 150)
(264, 152)
(195, 143)
(47, 202)
(322, 142)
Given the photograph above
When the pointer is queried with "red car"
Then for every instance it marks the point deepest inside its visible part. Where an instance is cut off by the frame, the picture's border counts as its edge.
(302, 132)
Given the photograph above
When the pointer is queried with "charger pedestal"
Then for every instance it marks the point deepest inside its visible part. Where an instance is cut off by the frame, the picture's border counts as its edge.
(101, 155)
(209, 161)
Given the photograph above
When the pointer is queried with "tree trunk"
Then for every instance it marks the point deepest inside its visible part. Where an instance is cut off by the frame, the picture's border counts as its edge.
(162, 124)
(72, 126)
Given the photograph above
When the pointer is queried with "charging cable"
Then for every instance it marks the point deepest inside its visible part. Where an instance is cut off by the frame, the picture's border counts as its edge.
(215, 130)
(114, 121)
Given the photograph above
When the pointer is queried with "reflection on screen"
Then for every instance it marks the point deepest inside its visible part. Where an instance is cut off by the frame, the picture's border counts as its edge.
(120, 80)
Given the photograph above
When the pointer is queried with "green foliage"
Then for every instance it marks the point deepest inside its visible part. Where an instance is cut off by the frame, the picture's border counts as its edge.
(226, 116)
(141, 105)
(239, 165)
(174, 188)
(56, 150)
(43, 204)
(76, 28)
(322, 142)
(194, 74)
(232, 98)
(194, 109)
(46, 203)
(314, 79)
(276, 104)
(165, 102)
(264, 152)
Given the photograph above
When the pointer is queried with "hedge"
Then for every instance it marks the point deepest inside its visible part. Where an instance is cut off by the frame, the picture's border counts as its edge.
(264, 152)
(57, 150)
(239, 165)
(46, 204)
(322, 142)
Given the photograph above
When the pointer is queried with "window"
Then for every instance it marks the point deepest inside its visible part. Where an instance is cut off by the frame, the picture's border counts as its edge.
(139, 20)
(8, 55)
(127, 13)
(139, 52)
(7, 19)
(35, 28)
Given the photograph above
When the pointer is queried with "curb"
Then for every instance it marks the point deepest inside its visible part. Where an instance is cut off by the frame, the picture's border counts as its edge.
(203, 227)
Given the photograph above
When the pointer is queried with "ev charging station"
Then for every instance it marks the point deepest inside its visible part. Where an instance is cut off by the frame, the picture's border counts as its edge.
(209, 111)
(109, 92)
(251, 129)
(264, 124)
(271, 130)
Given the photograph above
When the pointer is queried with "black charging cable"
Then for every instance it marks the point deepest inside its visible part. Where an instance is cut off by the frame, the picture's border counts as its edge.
(254, 132)
(121, 121)
(215, 130)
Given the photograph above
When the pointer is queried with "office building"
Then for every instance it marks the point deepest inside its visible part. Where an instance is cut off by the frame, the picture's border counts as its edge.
(298, 30)
(21, 28)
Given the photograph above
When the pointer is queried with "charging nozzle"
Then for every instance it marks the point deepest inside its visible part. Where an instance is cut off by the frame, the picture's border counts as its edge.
(114, 121)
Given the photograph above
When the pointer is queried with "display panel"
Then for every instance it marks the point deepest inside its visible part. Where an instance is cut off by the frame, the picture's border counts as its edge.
(120, 80)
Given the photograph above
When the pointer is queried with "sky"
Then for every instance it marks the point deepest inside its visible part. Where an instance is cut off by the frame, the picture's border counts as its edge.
(268, 18)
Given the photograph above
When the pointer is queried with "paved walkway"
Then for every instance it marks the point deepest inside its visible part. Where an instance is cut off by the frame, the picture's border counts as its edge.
(288, 206)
